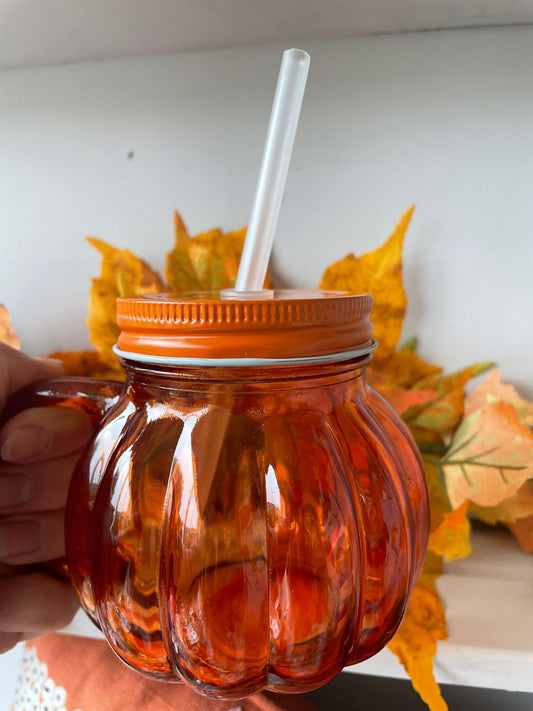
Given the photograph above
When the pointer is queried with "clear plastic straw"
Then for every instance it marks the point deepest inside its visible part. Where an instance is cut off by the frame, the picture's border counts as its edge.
(273, 172)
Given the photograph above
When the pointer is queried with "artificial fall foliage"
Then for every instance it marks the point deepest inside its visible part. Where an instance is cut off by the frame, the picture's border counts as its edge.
(424, 624)
(490, 457)
(7, 334)
(123, 274)
(490, 460)
(477, 450)
(206, 262)
(88, 364)
(378, 273)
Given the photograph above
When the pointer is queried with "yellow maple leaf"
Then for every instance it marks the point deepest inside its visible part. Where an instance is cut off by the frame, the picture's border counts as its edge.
(123, 274)
(424, 624)
(206, 262)
(7, 334)
(378, 273)
(439, 504)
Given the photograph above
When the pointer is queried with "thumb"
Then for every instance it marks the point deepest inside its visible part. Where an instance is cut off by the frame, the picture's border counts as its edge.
(18, 370)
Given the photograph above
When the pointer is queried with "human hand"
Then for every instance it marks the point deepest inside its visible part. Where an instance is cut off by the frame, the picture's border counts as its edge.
(39, 448)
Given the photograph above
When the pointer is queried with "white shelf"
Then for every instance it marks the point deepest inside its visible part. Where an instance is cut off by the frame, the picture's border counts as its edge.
(488, 599)
(33, 32)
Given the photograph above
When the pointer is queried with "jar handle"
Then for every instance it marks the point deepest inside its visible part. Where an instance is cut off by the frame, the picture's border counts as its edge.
(95, 397)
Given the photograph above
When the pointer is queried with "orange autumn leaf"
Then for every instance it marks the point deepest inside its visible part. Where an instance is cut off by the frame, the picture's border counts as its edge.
(378, 273)
(206, 262)
(123, 274)
(442, 415)
(512, 499)
(522, 530)
(405, 369)
(402, 399)
(396, 377)
(455, 380)
(510, 510)
(7, 334)
(87, 364)
(451, 539)
(493, 390)
(405, 401)
(424, 624)
(490, 457)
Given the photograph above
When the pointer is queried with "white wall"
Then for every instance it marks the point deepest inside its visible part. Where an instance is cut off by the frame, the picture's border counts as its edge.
(443, 120)
(440, 119)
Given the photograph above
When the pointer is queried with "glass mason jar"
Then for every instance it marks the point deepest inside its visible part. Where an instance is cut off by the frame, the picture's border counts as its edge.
(250, 513)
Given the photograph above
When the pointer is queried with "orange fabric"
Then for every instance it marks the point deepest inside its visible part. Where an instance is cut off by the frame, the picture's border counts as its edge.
(96, 680)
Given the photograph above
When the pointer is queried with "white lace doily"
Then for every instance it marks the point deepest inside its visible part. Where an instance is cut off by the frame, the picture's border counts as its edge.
(35, 690)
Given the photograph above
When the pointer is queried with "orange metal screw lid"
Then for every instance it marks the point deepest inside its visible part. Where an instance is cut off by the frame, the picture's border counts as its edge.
(290, 324)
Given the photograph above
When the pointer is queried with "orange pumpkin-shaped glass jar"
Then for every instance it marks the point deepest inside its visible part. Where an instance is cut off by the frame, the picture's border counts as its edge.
(250, 514)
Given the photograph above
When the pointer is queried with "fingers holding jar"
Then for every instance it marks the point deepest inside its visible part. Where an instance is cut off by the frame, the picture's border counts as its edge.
(41, 434)
(39, 448)
(40, 486)
(33, 604)
(35, 538)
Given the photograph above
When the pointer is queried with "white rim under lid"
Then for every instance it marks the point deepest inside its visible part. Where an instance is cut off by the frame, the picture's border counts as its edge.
(243, 362)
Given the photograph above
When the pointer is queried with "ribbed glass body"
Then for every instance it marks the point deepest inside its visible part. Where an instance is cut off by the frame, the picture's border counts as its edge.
(247, 528)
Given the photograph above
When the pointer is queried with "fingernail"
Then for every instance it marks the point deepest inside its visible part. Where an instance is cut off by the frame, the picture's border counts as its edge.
(18, 537)
(25, 443)
(15, 489)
